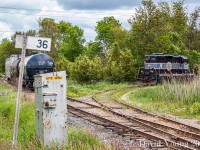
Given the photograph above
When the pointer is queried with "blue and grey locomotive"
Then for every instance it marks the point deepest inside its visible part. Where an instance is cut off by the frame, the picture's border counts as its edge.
(33, 64)
(159, 67)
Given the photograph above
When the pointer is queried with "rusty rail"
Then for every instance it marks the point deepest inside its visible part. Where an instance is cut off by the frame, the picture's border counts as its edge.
(151, 126)
(134, 131)
(191, 128)
(172, 138)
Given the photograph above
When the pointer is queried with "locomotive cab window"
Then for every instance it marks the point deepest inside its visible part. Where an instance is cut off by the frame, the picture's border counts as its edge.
(161, 59)
(184, 59)
(185, 66)
(169, 58)
(147, 58)
(153, 59)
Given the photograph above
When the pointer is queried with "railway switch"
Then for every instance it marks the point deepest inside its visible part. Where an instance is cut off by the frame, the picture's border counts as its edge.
(51, 108)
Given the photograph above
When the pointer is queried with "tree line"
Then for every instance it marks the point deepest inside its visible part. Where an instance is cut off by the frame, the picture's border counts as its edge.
(116, 53)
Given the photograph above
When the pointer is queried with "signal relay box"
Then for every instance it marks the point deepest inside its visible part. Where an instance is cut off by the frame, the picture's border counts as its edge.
(51, 108)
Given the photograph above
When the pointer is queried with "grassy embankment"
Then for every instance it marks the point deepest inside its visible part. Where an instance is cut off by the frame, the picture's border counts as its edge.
(182, 99)
(78, 138)
(78, 90)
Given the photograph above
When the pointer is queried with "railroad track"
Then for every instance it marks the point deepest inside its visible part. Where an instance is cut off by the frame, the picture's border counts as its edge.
(153, 131)
(156, 135)
(142, 113)
(183, 132)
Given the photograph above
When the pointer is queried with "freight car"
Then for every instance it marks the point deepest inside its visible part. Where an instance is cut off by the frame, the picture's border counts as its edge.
(159, 67)
(33, 64)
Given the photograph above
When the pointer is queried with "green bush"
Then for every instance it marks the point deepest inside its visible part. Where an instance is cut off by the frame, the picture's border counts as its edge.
(86, 70)
(63, 64)
(120, 66)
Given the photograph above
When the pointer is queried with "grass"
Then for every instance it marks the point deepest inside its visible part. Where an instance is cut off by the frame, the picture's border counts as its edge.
(7, 114)
(109, 96)
(181, 99)
(176, 98)
(2, 74)
(78, 90)
(78, 138)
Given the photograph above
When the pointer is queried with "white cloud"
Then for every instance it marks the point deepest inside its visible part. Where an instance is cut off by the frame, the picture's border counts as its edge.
(85, 19)
(5, 27)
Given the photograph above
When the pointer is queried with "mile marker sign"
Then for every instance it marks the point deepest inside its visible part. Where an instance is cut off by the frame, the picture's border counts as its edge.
(38, 43)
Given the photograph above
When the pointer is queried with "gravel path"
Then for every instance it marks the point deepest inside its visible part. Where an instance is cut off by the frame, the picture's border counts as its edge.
(125, 96)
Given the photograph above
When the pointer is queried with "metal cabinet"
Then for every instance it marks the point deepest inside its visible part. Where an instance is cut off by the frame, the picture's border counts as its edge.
(51, 108)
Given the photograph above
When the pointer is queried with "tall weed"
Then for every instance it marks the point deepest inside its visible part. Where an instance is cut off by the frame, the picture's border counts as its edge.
(176, 97)
(180, 91)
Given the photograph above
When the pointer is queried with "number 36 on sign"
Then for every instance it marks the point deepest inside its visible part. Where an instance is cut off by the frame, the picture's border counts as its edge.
(38, 43)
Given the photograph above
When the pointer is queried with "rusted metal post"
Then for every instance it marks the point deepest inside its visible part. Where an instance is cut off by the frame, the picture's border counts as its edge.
(19, 94)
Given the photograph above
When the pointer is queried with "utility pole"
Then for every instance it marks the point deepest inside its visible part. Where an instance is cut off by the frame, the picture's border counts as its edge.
(19, 93)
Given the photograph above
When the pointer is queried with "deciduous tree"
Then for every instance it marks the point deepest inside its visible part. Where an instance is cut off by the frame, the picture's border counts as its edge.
(49, 29)
(109, 30)
(72, 40)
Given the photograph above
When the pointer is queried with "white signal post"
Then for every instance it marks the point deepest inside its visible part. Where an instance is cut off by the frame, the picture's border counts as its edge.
(26, 42)
(19, 92)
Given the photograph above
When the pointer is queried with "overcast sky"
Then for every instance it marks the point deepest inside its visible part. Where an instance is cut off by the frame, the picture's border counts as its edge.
(22, 15)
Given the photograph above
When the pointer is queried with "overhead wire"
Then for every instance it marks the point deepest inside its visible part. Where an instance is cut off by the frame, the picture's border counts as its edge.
(58, 11)
(37, 30)
(41, 15)
(57, 16)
